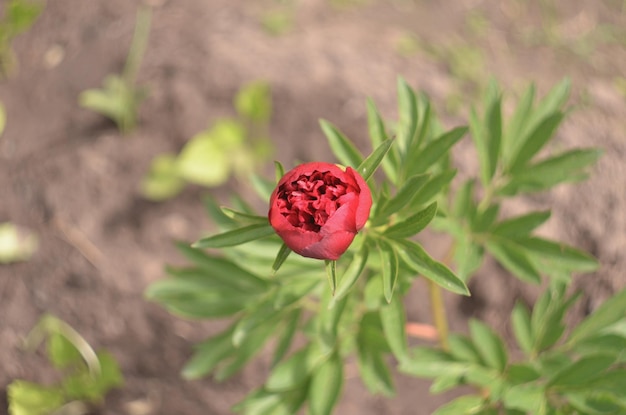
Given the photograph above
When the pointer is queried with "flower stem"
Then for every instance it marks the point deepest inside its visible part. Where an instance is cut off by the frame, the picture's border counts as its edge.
(439, 313)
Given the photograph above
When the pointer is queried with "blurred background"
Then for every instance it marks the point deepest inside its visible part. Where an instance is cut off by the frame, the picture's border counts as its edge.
(93, 230)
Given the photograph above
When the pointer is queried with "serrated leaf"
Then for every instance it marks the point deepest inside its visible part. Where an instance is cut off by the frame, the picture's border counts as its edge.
(281, 256)
(416, 258)
(393, 318)
(341, 146)
(436, 149)
(326, 385)
(371, 163)
(413, 224)
(520, 225)
(611, 311)
(489, 345)
(514, 259)
(351, 275)
(235, 237)
(520, 319)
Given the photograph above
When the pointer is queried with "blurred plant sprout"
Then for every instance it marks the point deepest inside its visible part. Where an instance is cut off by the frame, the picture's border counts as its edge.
(18, 17)
(120, 98)
(352, 309)
(16, 243)
(230, 146)
(87, 376)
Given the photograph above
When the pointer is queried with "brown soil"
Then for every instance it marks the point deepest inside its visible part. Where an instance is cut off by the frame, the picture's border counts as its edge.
(69, 176)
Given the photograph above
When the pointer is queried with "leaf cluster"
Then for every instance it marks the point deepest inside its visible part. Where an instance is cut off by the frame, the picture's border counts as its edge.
(580, 372)
(354, 306)
(86, 378)
(230, 146)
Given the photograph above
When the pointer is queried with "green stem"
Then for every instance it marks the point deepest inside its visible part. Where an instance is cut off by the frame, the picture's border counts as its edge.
(439, 313)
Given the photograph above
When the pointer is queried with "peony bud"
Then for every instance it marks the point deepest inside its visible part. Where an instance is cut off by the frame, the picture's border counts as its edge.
(318, 208)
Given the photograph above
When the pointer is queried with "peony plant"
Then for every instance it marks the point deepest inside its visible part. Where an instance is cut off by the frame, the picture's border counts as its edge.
(264, 271)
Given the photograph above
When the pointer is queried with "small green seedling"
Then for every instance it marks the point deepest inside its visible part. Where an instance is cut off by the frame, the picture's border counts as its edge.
(87, 375)
(19, 16)
(231, 146)
(120, 97)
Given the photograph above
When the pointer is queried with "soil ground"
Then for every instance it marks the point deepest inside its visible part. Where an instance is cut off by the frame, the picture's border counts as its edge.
(69, 176)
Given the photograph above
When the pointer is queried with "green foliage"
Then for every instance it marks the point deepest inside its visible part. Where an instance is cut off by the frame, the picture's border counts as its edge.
(354, 306)
(559, 373)
(230, 146)
(87, 376)
(18, 17)
(120, 98)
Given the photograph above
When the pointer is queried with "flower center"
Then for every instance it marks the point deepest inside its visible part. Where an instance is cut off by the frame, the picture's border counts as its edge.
(310, 200)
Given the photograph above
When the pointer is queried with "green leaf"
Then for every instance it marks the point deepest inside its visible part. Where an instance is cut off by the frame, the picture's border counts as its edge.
(235, 237)
(407, 124)
(262, 186)
(222, 270)
(413, 224)
(465, 405)
(581, 372)
(292, 372)
(514, 259)
(61, 351)
(489, 345)
(560, 254)
(462, 349)
(244, 218)
(511, 140)
(84, 386)
(342, 148)
(282, 255)
(378, 135)
(416, 258)
(433, 187)
(484, 218)
(351, 275)
(371, 348)
(370, 164)
(565, 167)
(528, 397)
(547, 318)
(520, 319)
(280, 170)
(520, 225)
(463, 205)
(215, 212)
(611, 311)
(26, 398)
(254, 101)
(403, 198)
(331, 271)
(436, 149)
(430, 363)
(286, 337)
(535, 142)
(493, 121)
(326, 385)
(162, 180)
(3, 119)
(208, 354)
(393, 318)
(389, 267)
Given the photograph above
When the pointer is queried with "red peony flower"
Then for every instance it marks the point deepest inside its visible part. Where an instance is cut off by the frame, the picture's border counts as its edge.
(318, 208)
